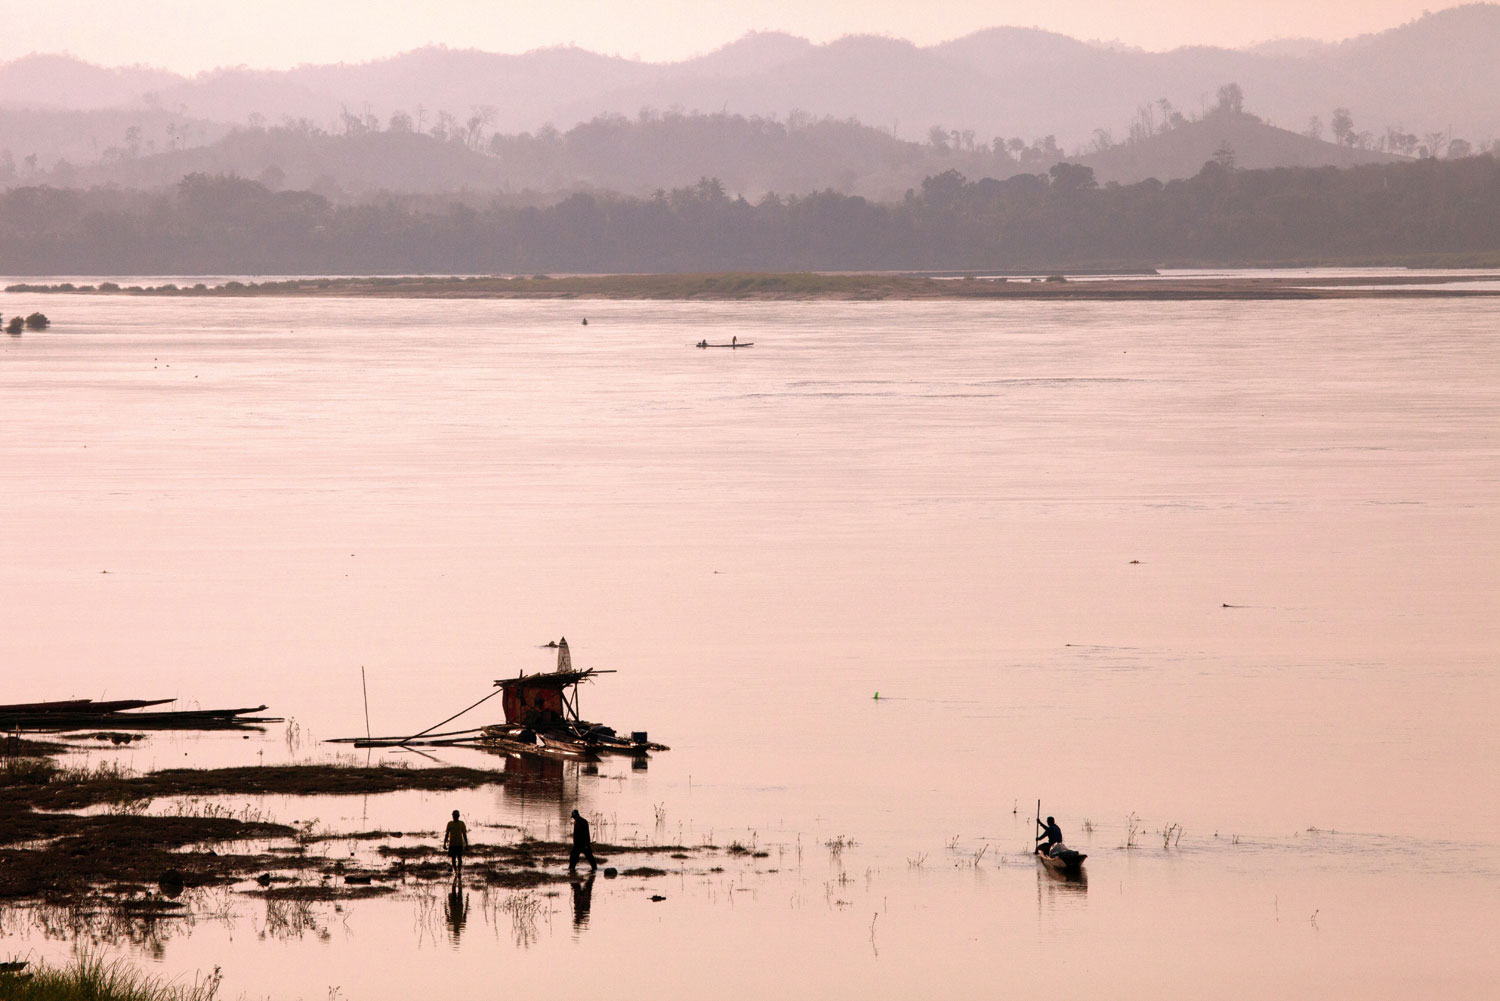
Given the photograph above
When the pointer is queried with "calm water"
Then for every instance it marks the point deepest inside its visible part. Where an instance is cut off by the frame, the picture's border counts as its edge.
(1230, 566)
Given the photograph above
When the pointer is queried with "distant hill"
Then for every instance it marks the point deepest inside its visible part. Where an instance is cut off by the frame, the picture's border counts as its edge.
(57, 81)
(750, 157)
(1243, 140)
(84, 137)
(1435, 75)
(337, 167)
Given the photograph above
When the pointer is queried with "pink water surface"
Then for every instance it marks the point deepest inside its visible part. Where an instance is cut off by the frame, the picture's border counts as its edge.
(1231, 566)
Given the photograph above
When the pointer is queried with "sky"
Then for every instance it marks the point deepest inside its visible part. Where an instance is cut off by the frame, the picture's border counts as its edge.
(193, 35)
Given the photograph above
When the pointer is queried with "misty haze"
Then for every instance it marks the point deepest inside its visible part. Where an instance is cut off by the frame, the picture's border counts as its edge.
(830, 517)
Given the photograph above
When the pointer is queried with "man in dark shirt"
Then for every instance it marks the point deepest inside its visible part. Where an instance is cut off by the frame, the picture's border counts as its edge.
(1051, 833)
(582, 844)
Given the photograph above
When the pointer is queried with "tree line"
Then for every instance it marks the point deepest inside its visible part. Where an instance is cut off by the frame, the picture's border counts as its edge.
(226, 224)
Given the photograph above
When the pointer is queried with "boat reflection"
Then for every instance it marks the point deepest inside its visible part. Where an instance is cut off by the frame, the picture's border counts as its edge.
(1060, 881)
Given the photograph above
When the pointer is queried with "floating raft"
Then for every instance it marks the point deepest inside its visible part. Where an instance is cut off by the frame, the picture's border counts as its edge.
(79, 714)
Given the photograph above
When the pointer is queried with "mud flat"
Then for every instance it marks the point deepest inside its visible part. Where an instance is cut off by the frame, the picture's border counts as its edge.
(814, 286)
(124, 857)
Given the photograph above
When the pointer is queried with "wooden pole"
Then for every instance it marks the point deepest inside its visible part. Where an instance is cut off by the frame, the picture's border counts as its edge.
(1038, 824)
(456, 715)
(366, 689)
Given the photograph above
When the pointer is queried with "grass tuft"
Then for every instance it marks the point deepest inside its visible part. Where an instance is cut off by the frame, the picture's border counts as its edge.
(91, 978)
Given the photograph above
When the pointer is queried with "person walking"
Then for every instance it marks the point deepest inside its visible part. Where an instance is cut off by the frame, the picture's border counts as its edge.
(456, 842)
(583, 845)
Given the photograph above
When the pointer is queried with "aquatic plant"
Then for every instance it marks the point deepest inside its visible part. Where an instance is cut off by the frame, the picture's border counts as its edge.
(1132, 830)
(291, 918)
(837, 845)
(1171, 835)
(524, 908)
(36, 321)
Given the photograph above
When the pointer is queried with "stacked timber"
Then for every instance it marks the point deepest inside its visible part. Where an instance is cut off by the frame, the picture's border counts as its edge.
(79, 714)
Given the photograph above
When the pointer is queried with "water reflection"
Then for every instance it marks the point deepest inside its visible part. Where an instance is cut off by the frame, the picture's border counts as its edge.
(1053, 887)
(457, 910)
(145, 923)
(552, 784)
(583, 898)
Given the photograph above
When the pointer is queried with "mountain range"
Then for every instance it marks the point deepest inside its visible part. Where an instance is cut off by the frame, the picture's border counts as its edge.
(1435, 76)
(1437, 72)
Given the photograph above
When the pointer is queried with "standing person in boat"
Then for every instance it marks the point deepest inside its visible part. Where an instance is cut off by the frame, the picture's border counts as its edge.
(456, 842)
(583, 845)
(1051, 833)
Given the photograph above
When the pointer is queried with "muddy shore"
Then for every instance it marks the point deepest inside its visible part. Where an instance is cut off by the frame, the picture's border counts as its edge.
(119, 856)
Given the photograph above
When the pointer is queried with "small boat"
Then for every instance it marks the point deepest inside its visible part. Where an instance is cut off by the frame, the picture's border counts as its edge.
(84, 706)
(541, 716)
(1061, 859)
(705, 344)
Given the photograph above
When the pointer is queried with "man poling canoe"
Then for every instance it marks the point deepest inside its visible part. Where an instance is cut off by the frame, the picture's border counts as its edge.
(1051, 850)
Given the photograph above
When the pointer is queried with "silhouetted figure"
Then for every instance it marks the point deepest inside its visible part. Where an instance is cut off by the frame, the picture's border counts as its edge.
(456, 841)
(1051, 833)
(458, 909)
(583, 845)
(583, 898)
(734, 341)
(585, 321)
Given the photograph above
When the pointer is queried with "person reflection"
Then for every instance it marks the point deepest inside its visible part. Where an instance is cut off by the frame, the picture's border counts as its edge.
(583, 899)
(458, 909)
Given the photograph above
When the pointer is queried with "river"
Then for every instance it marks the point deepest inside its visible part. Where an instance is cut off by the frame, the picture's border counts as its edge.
(1228, 566)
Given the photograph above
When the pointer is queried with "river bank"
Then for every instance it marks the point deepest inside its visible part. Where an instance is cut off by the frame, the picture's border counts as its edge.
(814, 286)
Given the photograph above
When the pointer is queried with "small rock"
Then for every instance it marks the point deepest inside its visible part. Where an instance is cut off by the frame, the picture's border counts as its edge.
(170, 882)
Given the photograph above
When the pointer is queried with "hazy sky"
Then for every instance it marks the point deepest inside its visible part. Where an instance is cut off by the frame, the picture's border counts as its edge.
(190, 35)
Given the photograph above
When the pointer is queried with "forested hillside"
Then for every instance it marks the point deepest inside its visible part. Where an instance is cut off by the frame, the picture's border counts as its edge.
(1223, 215)
(749, 156)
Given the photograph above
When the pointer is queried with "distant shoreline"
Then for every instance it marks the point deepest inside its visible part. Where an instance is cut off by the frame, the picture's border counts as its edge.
(792, 287)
